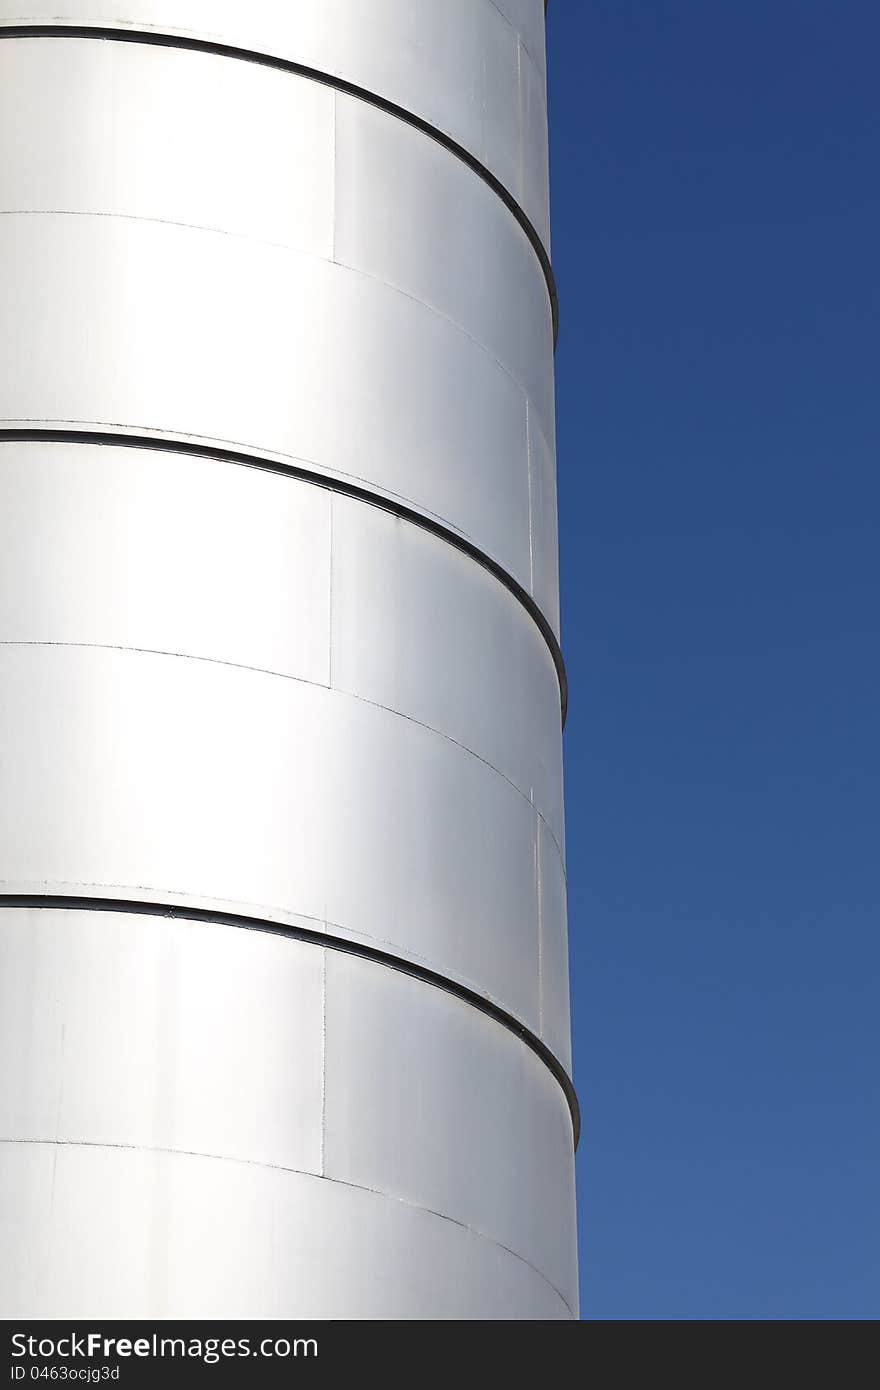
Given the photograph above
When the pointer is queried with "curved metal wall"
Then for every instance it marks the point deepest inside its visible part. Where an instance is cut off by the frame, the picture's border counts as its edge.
(367, 1172)
(278, 657)
(473, 70)
(318, 312)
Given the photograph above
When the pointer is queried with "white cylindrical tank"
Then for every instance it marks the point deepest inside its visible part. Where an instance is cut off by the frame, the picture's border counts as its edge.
(283, 960)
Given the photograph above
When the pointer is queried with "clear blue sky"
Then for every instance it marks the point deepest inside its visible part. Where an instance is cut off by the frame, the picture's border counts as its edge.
(716, 202)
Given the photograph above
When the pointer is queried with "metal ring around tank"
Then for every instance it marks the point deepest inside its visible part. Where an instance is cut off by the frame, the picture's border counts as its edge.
(326, 941)
(339, 84)
(361, 494)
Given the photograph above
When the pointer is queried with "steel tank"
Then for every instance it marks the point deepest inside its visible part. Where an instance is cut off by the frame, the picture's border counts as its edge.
(284, 1017)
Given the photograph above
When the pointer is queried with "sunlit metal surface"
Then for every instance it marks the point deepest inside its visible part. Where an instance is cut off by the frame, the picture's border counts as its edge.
(247, 577)
(370, 191)
(274, 352)
(407, 1067)
(473, 69)
(248, 1051)
(278, 596)
(226, 1240)
(289, 801)
(398, 223)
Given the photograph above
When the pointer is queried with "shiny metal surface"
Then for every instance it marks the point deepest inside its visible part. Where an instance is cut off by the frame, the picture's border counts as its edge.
(140, 549)
(278, 595)
(285, 1059)
(542, 511)
(398, 224)
(392, 1107)
(289, 802)
(216, 1036)
(407, 214)
(554, 947)
(465, 67)
(353, 380)
(527, 18)
(272, 573)
(372, 1256)
(406, 210)
(235, 123)
(453, 650)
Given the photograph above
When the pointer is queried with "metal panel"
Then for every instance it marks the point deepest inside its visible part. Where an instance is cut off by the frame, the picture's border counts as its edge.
(148, 1033)
(143, 549)
(131, 772)
(536, 152)
(408, 214)
(554, 948)
(434, 854)
(281, 1055)
(527, 18)
(149, 117)
(403, 211)
(91, 1232)
(245, 578)
(135, 775)
(498, 104)
(459, 1118)
(351, 377)
(457, 66)
(418, 628)
(544, 523)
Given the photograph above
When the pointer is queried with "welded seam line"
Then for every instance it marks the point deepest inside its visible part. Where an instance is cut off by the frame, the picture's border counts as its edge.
(359, 493)
(177, 912)
(295, 1172)
(325, 79)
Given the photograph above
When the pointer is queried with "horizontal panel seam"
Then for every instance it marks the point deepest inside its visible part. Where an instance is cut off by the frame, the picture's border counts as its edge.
(311, 474)
(292, 249)
(297, 1172)
(323, 940)
(296, 680)
(155, 38)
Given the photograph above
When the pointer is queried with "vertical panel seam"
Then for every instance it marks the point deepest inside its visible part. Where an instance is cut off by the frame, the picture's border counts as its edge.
(323, 941)
(335, 175)
(331, 500)
(539, 888)
(119, 437)
(323, 1060)
(530, 495)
